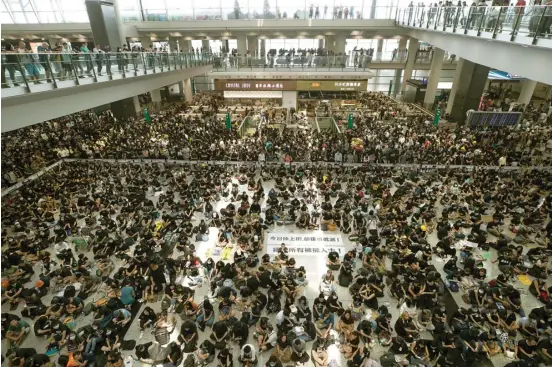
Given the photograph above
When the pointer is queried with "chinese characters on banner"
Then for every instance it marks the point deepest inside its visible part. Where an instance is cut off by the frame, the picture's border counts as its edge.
(305, 244)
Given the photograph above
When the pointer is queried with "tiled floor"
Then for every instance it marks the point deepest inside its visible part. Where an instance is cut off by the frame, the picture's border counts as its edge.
(315, 265)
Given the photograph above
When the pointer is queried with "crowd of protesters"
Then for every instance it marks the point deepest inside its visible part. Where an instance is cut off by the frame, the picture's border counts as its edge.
(92, 249)
(387, 133)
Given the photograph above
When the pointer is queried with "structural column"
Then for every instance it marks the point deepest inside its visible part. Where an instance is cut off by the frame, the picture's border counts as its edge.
(242, 45)
(379, 49)
(205, 45)
(185, 45)
(263, 48)
(338, 43)
(125, 108)
(321, 43)
(156, 99)
(187, 88)
(102, 17)
(145, 42)
(173, 44)
(253, 45)
(397, 82)
(373, 9)
(402, 49)
(527, 90)
(468, 84)
(434, 76)
(413, 45)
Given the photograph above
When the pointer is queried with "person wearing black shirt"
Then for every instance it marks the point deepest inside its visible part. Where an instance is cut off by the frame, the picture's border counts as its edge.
(544, 350)
(526, 349)
(188, 336)
(225, 358)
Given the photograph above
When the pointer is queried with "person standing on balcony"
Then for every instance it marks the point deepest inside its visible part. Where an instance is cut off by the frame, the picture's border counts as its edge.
(325, 11)
(519, 11)
(29, 62)
(44, 59)
(65, 61)
(87, 58)
(99, 53)
(317, 12)
(311, 11)
(12, 64)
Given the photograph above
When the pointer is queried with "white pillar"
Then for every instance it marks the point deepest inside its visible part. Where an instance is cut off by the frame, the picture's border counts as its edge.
(402, 49)
(379, 49)
(321, 43)
(434, 76)
(339, 46)
(413, 45)
(527, 90)
(253, 45)
(187, 84)
(397, 82)
(242, 45)
(185, 45)
(156, 99)
(145, 42)
(173, 44)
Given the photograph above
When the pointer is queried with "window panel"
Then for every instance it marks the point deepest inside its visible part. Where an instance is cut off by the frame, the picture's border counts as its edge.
(128, 4)
(19, 17)
(5, 18)
(49, 17)
(76, 16)
(43, 5)
(31, 17)
(71, 5)
(26, 5)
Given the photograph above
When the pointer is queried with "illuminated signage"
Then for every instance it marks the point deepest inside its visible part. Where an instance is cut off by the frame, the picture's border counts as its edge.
(225, 84)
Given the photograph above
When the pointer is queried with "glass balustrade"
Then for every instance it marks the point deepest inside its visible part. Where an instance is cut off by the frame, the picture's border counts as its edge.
(39, 72)
(497, 22)
(354, 61)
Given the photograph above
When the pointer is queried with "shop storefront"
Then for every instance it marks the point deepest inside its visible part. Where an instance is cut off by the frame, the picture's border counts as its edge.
(298, 94)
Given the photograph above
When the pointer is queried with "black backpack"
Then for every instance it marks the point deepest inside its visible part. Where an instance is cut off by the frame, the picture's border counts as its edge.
(69, 291)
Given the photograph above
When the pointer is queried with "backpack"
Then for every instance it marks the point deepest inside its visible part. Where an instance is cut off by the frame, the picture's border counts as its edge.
(69, 291)
(128, 345)
(88, 308)
(453, 286)
(189, 361)
(387, 359)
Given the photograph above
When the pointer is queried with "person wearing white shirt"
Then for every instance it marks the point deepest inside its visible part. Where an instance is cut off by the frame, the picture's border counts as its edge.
(248, 356)
(61, 247)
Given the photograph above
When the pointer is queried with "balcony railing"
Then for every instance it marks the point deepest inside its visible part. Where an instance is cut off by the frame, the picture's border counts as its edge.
(274, 10)
(355, 61)
(506, 23)
(39, 72)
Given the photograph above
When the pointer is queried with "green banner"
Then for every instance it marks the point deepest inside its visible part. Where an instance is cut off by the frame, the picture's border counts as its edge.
(147, 116)
(350, 121)
(437, 117)
(228, 122)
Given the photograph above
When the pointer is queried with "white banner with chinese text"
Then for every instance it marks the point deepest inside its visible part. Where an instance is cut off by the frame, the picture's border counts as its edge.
(305, 244)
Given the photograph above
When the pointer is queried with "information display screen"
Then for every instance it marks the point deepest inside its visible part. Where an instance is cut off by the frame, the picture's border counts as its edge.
(481, 118)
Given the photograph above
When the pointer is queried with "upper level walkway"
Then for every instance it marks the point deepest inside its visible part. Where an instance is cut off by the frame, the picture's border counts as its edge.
(51, 85)
(517, 40)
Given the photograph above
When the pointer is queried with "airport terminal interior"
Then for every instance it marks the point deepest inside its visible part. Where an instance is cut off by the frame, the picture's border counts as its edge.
(276, 183)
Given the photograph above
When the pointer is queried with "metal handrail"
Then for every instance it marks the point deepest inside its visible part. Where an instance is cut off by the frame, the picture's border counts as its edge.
(532, 20)
(55, 68)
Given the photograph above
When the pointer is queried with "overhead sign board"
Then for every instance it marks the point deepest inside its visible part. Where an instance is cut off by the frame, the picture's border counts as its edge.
(332, 85)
